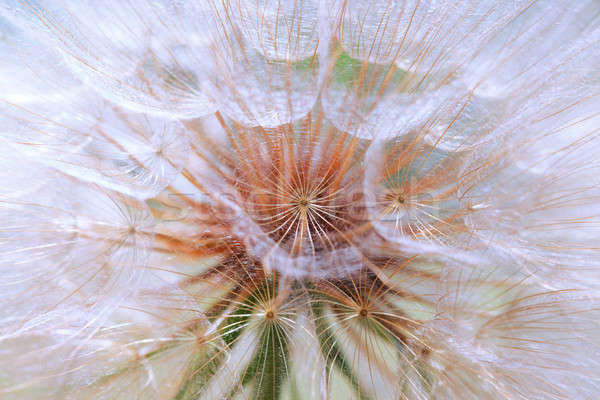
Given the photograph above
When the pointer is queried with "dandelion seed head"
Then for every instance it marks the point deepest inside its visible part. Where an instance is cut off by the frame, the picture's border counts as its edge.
(299, 199)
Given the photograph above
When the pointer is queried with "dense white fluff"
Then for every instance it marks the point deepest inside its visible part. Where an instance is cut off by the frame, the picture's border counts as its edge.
(289, 199)
(422, 35)
(49, 114)
(256, 91)
(72, 245)
(92, 141)
(285, 30)
(126, 51)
